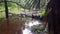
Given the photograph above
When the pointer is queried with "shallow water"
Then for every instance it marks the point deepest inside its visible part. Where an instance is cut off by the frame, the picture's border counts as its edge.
(29, 25)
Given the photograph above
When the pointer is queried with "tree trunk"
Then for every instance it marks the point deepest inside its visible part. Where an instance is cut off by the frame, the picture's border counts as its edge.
(6, 8)
(54, 16)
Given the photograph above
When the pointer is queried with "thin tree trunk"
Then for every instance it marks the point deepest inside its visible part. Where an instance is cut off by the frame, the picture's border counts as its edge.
(6, 8)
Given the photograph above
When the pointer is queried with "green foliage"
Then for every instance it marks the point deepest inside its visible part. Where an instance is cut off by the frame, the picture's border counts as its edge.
(12, 7)
(2, 9)
(42, 13)
(39, 27)
(36, 29)
(1, 4)
(2, 15)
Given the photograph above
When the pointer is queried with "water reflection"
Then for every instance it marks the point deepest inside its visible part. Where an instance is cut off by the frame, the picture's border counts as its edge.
(32, 23)
(28, 26)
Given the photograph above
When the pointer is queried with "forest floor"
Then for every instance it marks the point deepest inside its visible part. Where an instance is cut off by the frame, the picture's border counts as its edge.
(11, 26)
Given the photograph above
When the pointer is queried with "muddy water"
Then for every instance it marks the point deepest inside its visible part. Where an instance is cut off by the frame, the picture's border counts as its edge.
(17, 26)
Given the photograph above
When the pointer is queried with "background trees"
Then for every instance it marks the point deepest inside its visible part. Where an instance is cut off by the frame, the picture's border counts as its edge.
(18, 5)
